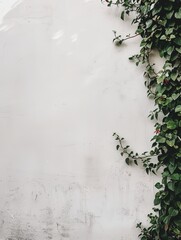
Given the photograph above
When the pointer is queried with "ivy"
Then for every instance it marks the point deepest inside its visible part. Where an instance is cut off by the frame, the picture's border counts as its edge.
(159, 25)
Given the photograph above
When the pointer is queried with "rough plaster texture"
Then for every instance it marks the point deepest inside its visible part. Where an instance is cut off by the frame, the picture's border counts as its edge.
(64, 89)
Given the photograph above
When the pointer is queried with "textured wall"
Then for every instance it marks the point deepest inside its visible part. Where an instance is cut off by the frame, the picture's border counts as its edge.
(64, 89)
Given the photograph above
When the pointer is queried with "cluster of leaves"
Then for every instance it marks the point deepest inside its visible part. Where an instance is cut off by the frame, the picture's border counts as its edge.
(159, 25)
(131, 157)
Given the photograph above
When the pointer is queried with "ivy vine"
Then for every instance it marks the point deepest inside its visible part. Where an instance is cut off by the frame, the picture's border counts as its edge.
(159, 25)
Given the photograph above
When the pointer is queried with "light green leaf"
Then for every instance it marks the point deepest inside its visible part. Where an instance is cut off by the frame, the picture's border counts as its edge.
(170, 143)
(178, 108)
(171, 124)
(178, 14)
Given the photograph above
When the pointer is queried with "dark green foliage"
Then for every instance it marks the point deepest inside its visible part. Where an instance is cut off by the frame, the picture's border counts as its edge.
(159, 25)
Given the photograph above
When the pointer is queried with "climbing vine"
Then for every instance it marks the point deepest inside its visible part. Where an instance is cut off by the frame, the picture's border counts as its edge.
(159, 25)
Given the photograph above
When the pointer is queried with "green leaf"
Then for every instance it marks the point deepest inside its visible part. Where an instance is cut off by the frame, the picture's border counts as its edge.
(166, 220)
(170, 143)
(176, 231)
(179, 204)
(170, 50)
(156, 201)
(158, 185)
(149, 23)
(175, 96)
(172, 212)
(143, 238)
(163, 37)
(171, 124)
(122, 15)
(172, 168)
(178, 50)
(109, 4)
(177, 41)
(171, 186)
(170, 14)
(176, 177)
(127, 161)
(135, 162)
(174, 75)
(178, 14)
(160, 139)
(178, 188)
(156, 10)
(168, 31)
(178, 108)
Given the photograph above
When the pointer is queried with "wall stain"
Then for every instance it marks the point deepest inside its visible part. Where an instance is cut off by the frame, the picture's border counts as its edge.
(63, 231)
(48, 222)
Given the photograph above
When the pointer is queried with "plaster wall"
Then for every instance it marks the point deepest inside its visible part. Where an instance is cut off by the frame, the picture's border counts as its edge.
(64, 89)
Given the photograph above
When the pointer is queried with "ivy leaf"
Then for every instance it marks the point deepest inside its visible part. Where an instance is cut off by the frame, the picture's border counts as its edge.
(122, 15)
(170, 50)
(174, 75)
(171, 124)
(177, 41)
(158, 185)
(170, 143)
(178, 108)
(178, 14)
(135, 162)
(172, 212)
(178, 50)
(109, 4)
(163, 37)
(169, 15)
(176, 177)
(160, 139)
(172, 168)
(168, 31)
(149, 23)
(127, 161)
(156, 10)
(156, 201)
(171, 186)
(178, 188)
(179, 204)
(175, 96)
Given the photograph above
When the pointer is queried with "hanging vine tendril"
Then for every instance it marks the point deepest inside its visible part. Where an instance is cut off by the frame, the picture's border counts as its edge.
(159, 25)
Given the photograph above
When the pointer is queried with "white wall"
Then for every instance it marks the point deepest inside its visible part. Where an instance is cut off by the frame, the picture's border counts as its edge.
(64, 89)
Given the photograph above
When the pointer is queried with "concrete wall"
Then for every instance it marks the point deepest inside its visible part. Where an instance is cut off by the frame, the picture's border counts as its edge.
(64, 89)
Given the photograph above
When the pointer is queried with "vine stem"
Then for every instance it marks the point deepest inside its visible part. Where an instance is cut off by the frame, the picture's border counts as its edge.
(124, 39)
(131, 37)
(134, 157)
